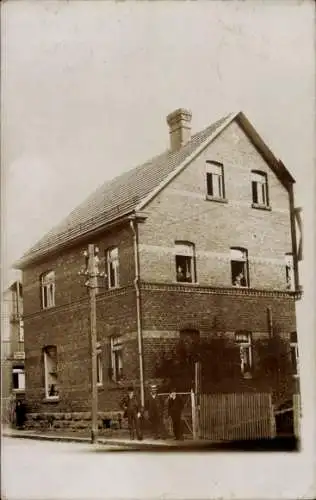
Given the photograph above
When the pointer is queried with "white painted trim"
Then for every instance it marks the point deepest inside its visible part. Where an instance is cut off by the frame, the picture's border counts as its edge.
(186, 162)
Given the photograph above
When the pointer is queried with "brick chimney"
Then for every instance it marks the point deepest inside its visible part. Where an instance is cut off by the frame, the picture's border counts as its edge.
(179, 122)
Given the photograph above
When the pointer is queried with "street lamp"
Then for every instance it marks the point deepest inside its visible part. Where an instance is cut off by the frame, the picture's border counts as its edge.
(91, 271)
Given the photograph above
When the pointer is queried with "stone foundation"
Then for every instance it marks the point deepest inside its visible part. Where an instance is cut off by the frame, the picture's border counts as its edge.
(74, 422)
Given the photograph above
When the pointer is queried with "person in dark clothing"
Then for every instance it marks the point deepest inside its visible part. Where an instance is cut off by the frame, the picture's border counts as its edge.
(175, 406)
(20, 414)
(133, 413)
(153, 408)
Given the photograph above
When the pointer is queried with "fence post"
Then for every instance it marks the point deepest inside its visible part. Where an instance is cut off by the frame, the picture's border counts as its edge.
(193, 406)
(272, 418)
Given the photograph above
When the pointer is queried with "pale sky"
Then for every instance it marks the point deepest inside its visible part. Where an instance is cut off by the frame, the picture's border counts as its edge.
(86, 87)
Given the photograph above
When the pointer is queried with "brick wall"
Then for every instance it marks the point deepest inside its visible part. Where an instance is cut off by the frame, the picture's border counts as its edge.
(169, 309)
(66, 264)
(175, 308)
(181, 212)
(68, 328)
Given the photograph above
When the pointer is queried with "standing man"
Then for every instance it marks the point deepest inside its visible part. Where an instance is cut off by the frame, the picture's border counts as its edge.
(153, 408)
(133, 413)
(175, 406)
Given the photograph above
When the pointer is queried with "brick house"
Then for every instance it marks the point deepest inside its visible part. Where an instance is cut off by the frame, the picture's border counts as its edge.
(202, 234)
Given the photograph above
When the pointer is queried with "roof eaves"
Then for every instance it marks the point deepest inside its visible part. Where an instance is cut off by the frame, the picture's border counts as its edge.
(186, 162)
(276, 164)
(39, 254)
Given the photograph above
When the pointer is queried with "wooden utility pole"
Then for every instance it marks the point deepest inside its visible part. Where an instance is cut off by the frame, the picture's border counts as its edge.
(270, 321)
(91, 271)
(92, 274)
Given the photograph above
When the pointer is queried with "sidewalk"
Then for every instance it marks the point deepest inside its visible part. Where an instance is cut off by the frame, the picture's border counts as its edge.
(85, 438)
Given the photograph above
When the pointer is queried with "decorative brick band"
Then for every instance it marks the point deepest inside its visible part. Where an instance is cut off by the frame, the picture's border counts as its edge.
(197, 289)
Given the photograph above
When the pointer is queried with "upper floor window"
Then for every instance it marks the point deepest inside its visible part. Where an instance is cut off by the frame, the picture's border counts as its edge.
(116, 359)
(215, 179)
(294, 352)
(48, 289)
(259, 185)
(289, 271)
(239, 267)
(112, 258)
(244, 341)
(185, 262)
(18, 378)
(50, 371)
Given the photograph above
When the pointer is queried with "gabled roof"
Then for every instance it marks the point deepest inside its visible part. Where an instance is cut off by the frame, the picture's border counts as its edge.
(132, 190)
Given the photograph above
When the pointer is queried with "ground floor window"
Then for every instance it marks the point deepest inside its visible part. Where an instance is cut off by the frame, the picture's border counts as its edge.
(99, 365)
(116, 359)
(18, 378)
(294, 352)
(244, 341)
(50, 372)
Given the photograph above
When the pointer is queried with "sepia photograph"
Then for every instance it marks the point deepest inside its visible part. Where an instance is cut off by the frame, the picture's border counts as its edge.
(157, 300)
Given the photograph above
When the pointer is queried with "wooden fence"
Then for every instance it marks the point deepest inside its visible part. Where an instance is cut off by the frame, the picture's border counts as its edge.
(297, 413)
(235, 416)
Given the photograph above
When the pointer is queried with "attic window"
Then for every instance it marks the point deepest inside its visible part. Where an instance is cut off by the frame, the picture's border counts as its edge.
(259, 186)
(215, 180)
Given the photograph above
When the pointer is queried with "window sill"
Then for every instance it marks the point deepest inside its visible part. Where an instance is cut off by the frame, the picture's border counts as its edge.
(187, 283)
(18, 390)
(48, 308)
(100, 385)
(261, 207)
(116, 287)
(217, 199)
(52, 399)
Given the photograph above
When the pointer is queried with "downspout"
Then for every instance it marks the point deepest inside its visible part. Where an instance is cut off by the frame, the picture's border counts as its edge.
(138, 314)
(294, 240)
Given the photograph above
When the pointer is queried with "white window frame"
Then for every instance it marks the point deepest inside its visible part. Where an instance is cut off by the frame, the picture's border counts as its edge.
(238, 254)
(21, 378)
(244, 341)
(294, 348)
(185, 249)
(259, 183)
(216, 171)
(289, 271)
(116, 346)
(99, 366)
(113, 263)
(48, 285)
(47, 373)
